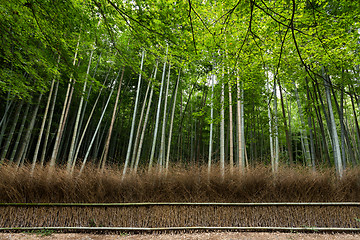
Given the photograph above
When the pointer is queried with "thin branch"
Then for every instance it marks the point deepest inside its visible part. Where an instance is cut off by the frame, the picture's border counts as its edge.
(192, 28)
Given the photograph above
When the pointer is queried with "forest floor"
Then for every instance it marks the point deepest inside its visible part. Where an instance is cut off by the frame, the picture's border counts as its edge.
(187, 236)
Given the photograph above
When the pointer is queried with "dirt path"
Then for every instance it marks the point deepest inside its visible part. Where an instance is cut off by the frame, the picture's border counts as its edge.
(187, 236)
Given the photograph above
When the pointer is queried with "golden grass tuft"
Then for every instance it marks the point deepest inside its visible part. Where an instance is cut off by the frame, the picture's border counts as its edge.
(192, 184)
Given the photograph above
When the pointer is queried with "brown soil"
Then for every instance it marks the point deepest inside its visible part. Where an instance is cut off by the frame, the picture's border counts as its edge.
(187, 236)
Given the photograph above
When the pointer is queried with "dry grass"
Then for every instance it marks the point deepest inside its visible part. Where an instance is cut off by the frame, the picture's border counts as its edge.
(189, 185)
(180, 185)
(180, 216)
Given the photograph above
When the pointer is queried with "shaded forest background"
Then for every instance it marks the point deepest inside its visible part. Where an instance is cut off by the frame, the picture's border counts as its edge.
(143, 84)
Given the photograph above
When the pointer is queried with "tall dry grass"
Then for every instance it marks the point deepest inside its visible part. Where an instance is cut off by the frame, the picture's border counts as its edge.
(191, 184)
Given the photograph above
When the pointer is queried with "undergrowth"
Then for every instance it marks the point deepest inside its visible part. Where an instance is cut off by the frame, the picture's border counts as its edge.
(193, 184)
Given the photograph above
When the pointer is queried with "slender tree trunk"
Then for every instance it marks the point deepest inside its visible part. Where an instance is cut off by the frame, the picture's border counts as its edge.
(128, 154)
(357, 132)
(75, 131)
(334, 135)
(303, 132)
(344, 132)
(222, 133)
(21, 154)
(6, 119)
(7, 107)
(42, 159)
(15, 148)
(86, 102)
(276, 134)
(43, 122)
(321, 125)
(140, 124)
(108, 138)
(231, 131)
(88, 121)
(158, 113)
(311, 130)
(11, 133)
(163, 131)
(96, 130)
(287, 133)
(144, 127)
(138, 154)
(212, 82)
(171, 124)
(5, 116)
(65, 110)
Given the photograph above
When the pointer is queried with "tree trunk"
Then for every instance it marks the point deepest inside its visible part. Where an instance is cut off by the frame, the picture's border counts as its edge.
(334, 135)
(42, 159)
(11, 133)
(231, 131)
(128, 154)
(88, 121)
(96, 130)
(158, 113)
(65, 110)
(212, 82)
(222, 133)
(163, 131)
(43, 123)
(108, 138)
(276, 134)
(138, 131)
(25, 143)
(138, 154)
(144, 128)
(75, 131)
(287, 133)
(303, 132)
(321, 125)
(15, 148)
(171, 123)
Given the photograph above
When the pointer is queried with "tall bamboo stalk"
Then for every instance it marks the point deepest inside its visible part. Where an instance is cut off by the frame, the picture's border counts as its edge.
(17, 141)
(128, 154)
(231, 131)
(75, 130)
(303, 132)
(138, 154)
(43, 122)
(171, 123)
(108, 138)
(96, 130)
(140, 124)
(65, 109)
(89, 120)
(334, 135)
(212, 79)
(11, 133)
(26, 141)
(158, 113)
(222, 133)
(163, 131)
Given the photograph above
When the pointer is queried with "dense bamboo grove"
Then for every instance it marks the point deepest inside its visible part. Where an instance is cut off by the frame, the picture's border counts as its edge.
(148, 84)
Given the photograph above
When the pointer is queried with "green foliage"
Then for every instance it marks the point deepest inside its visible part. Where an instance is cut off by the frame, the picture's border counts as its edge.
(251, 44)
(43, 233)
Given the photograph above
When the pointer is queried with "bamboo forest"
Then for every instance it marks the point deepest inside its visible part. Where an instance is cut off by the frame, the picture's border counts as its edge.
(205, 95)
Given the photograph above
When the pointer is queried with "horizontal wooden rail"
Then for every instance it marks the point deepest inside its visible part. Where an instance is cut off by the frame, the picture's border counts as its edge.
(286, 204)
(134, 229)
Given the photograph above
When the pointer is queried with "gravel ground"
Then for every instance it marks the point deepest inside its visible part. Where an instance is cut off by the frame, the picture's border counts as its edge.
(187, 236)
